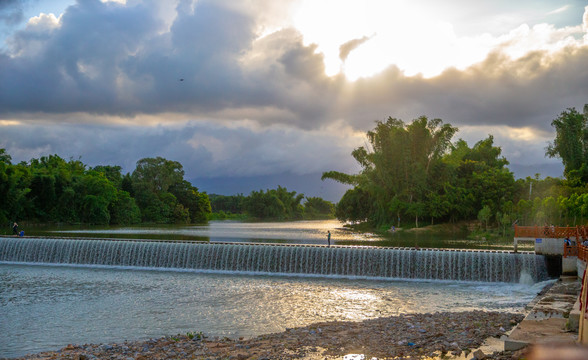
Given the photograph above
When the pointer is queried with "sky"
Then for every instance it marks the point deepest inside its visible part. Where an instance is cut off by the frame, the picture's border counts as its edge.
(252, 94)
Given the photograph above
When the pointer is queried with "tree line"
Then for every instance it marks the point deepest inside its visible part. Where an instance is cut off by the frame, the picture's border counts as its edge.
(274, 204)
(53, 190)
(414, 173)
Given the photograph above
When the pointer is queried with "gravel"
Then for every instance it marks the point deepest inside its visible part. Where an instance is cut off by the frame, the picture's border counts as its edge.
(410, 336)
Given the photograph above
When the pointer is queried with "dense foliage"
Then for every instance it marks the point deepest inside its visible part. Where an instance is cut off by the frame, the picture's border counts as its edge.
(273, 204)
(414, 172)
(571, 144)
(51, 189)
(231, 204)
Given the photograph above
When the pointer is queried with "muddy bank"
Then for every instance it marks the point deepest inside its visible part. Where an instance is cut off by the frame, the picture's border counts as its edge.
(409, 336)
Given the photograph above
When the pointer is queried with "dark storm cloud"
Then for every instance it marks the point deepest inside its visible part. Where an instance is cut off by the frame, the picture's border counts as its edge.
(12, 11)
(110, 59)
(530, 91)
(74, 67)
(98, 144)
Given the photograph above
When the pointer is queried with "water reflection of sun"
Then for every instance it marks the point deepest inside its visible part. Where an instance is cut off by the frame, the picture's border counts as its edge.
(355, 295)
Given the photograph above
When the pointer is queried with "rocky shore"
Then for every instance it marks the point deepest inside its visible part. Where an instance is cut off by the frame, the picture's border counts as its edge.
(411, 336)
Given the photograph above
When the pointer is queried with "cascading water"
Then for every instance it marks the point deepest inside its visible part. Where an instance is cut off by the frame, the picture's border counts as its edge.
(369, 262)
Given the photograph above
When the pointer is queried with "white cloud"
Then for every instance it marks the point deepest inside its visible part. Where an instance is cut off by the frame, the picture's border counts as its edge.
(43, 22)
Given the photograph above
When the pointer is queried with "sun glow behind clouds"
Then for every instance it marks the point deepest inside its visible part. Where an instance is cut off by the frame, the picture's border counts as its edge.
(402, 33)
(417, 37)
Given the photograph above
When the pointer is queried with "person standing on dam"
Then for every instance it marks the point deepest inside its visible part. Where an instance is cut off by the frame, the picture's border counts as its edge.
(329, 238)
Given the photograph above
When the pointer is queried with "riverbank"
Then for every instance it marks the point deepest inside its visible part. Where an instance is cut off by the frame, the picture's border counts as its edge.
(408, 336)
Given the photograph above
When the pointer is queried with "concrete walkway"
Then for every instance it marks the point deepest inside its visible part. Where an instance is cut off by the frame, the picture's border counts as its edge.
(548, 321)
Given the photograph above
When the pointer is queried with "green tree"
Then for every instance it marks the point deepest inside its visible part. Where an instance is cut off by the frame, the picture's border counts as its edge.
(94, 194)
(318, 208)
(571, 143)
(197, 204)
(157, 174)
(523, 209)
(550, 208)
(163, 195)
(43, 195)
(504, 220)
(5, 158)
(275, 204)
(482, 177)
(112, 173)
(292, 202)
(15, 192)
(229, 204)
(355, 205)
(437, 206)
(124, 209)
(66, 206)
(399, 165)
(264, 205)
(484, 215)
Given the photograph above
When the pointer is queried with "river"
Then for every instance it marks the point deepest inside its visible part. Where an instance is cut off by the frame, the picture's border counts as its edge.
(294, 232)
(45, 307)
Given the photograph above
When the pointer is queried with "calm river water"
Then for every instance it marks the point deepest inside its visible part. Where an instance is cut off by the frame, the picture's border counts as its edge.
(298, 232)
(47, 307)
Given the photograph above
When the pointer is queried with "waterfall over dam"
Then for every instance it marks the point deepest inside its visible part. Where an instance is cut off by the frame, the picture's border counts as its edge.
(368, 262)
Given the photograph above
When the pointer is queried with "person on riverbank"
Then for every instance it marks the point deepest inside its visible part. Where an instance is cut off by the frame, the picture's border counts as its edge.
(329, 238)
(15, 229)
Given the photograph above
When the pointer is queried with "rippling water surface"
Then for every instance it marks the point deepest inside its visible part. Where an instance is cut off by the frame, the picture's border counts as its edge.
(48, 307)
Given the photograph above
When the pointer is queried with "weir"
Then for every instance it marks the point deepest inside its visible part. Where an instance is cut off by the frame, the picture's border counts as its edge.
(346, 261)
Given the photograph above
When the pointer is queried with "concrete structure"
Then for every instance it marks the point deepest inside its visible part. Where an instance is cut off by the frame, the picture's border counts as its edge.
(569, 265)
(558, 317)
(547, 319)
(549, 246)
(580, 266)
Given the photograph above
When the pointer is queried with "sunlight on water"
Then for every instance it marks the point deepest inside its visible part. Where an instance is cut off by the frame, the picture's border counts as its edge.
(310, 232)
(48, 307)
(293, 232)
